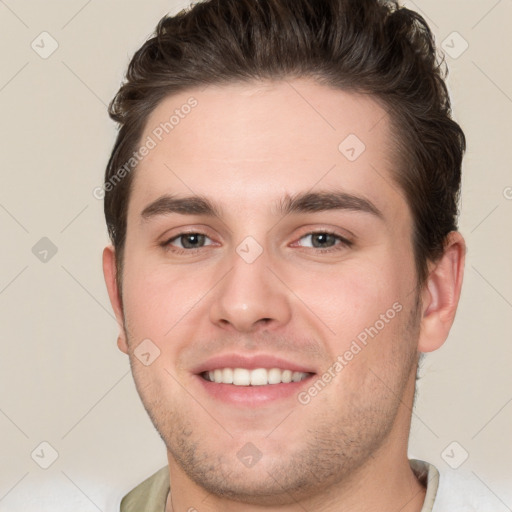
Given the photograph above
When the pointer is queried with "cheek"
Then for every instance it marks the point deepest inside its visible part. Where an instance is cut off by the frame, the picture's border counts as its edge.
(157, 297)
(350, 296)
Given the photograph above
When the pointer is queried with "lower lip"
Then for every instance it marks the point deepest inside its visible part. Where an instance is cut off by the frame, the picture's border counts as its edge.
(252, 395)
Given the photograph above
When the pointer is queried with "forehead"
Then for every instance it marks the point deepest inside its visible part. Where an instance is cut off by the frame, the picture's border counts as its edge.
(268, 138)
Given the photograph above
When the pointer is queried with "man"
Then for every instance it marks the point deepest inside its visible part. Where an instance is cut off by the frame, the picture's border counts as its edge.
(282, 202)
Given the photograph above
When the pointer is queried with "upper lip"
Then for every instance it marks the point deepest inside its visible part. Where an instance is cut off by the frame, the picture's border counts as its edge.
(250, 362)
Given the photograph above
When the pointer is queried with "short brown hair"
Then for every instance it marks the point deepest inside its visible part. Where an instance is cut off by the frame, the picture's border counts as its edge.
(373, 47)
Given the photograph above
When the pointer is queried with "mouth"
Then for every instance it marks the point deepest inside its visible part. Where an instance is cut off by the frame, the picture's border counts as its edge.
(251, 388)
(254, 377)
(244, 380)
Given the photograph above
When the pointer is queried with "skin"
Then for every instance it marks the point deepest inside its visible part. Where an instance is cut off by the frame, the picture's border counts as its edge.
(246, 147)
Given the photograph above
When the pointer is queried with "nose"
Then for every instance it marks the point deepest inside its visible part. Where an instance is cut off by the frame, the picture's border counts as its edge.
(250, 298)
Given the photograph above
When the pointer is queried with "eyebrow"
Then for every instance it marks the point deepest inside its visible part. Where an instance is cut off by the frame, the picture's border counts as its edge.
(307, 202)
(311, 202)
(190, 205)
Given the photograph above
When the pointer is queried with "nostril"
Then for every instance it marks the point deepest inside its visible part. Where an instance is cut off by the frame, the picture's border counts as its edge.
(263, 322)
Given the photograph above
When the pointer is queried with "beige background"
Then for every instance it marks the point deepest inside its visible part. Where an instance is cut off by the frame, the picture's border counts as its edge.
(62, 378)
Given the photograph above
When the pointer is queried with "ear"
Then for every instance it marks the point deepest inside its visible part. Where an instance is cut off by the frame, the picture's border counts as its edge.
(441, 294)
(109, 273)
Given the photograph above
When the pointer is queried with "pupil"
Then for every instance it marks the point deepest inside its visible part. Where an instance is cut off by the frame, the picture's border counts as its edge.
(323, 240)
(192, 240)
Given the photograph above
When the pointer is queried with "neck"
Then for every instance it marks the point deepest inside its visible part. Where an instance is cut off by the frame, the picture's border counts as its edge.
(382, 484)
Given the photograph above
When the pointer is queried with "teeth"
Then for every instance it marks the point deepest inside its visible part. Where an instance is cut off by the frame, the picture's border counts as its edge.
(274, 376)
(227, 376)
(256, 377)
(259, 377)
(241, 377)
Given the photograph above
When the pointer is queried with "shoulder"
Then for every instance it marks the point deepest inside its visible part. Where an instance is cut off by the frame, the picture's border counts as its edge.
(464, 491)
(150, 495)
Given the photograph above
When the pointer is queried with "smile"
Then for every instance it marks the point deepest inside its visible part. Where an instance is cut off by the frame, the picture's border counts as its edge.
(254, 377)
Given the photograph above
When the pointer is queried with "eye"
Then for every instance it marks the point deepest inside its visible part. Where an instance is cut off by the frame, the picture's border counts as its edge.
(323, 240)
(189, 241)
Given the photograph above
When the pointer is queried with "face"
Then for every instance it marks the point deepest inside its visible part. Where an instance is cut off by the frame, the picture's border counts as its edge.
(283, 244)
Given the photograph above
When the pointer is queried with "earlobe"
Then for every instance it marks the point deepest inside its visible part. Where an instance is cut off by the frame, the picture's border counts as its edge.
(109, 273)
(441, 294)
(121, 343)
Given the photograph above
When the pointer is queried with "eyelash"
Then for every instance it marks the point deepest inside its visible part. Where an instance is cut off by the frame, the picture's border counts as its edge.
(343, 242)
